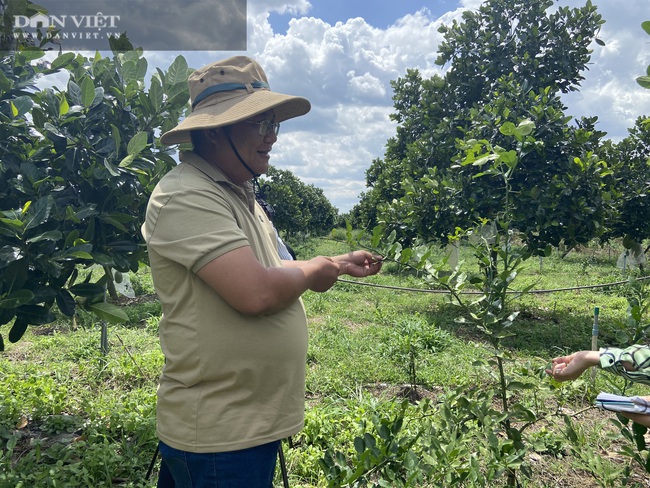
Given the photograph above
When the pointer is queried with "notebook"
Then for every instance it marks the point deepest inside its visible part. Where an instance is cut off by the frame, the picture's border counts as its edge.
(619, 403)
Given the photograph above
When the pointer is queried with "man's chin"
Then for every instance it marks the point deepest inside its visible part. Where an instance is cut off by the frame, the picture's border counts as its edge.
(263, 166)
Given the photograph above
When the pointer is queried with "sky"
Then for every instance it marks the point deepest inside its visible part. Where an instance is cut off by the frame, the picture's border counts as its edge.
(343, 54)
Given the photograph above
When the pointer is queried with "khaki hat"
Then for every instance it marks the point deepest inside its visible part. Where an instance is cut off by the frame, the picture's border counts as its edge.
(230, 91)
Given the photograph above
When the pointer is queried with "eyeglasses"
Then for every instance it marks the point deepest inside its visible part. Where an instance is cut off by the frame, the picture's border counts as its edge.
(266, 126)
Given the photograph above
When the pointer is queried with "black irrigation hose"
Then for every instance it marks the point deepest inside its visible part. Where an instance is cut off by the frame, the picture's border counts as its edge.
(555, 290)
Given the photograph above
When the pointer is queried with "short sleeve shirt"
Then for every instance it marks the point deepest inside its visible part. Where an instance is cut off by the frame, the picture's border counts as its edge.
(638, 356)
(230, 381)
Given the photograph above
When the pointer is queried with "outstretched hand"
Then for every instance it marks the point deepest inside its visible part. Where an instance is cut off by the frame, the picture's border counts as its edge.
(566, 368)
(358, 264)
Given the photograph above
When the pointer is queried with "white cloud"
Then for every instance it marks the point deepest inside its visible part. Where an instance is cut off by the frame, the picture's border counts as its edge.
(345, 70)
(365, 86)
(336, 160)
(609, 90)
(471, 4)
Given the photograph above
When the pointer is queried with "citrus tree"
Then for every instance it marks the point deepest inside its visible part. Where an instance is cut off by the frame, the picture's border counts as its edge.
(77, 165)
(630, 161)
(509, 61)
(299, 207)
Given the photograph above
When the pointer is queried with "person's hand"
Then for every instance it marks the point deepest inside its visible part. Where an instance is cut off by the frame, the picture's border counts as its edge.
(639, 418)
(565, 368)
(358, 264)
(323, 271)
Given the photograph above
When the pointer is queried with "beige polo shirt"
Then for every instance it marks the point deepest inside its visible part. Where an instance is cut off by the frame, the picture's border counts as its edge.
(230, 381)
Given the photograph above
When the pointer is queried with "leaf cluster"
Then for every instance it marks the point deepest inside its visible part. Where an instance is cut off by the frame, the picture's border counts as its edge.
(630, 184)
(77, 167)
(299, 207)
(509, 62)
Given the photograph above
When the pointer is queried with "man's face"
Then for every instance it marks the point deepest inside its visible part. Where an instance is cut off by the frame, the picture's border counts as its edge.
(253, 146)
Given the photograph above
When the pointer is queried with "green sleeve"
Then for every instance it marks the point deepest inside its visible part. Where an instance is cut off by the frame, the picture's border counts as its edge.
(637, 355)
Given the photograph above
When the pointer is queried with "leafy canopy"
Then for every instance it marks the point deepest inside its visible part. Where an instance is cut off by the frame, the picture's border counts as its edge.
(509, 62)
(78, 164)
(299, 207)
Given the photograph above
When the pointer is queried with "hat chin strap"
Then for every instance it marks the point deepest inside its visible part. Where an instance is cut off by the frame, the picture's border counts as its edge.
(259, 193)
(241, 160)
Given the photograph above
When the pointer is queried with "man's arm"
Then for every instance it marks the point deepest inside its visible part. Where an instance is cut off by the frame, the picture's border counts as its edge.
(249, 287)
(358, 264)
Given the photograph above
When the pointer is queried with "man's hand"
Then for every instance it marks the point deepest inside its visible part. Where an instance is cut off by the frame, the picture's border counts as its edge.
(358, 264)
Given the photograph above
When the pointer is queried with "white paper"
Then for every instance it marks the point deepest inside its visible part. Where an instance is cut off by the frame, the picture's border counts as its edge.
(619, 403)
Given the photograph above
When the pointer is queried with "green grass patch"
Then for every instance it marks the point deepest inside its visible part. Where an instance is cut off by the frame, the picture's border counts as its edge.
(73, 416)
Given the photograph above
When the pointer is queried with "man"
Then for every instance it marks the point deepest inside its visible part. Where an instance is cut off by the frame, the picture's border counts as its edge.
(233, 329)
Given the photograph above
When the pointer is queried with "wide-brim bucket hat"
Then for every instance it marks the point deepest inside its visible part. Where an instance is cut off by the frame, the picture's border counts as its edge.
(230, 91)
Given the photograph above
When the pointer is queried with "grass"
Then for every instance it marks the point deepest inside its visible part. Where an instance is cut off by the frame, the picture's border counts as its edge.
(71, 416)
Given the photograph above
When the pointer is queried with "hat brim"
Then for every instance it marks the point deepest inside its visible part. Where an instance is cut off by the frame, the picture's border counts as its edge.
(235, 110)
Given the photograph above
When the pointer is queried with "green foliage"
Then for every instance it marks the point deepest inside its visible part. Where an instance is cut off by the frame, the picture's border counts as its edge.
(83, 422)
(492, 313)
(78, 166)
(405, 342)
(504, 36)
(509, 61)
(13, 39)
(299, 208)
(635, 327)
(630, 163)
(384, 458)
(559, 182)
(452, 444)
(636, 447)
(589, 459)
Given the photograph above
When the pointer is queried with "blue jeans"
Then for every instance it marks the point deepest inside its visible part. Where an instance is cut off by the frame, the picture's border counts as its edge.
(247, 468)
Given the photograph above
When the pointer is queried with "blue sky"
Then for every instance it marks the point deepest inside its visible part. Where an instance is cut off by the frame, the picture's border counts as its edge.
(380, 13)
(342, 56)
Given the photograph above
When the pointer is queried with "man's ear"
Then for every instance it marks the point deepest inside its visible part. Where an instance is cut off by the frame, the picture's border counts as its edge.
(213, 134)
